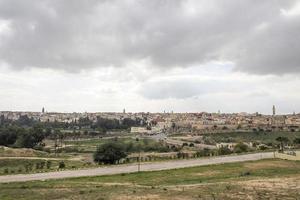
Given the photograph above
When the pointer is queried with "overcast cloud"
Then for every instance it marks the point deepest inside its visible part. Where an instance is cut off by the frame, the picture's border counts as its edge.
(259, 36)
(161, 53)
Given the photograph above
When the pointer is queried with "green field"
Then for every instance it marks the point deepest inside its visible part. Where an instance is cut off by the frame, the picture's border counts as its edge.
(90, 145)
(261, 137)
(76, 154)
(265, 179)
(23, 166)
(23, 160)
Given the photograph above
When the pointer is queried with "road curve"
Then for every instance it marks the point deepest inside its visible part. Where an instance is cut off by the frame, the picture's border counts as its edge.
(118, 169)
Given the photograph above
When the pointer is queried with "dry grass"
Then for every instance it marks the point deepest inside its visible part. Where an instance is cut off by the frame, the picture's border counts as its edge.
(268, 179)
(263, 165)
(20, 152)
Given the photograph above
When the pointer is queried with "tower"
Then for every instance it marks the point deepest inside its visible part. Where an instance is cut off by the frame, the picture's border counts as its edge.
(43, 110)
(274, 110)
(124, 111)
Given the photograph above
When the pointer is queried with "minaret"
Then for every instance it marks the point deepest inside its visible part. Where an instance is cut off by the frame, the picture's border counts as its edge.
(274, 110)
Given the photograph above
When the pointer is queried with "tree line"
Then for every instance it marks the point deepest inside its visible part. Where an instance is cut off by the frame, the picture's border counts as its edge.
(28, 132)
(21, 137)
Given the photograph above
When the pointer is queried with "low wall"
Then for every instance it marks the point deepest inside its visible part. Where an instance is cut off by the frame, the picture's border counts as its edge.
(289, 155)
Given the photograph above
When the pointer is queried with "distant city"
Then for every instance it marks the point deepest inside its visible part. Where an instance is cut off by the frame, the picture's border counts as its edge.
(189, 122)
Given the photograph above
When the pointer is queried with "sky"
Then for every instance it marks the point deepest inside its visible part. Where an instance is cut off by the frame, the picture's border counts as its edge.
(150, 56)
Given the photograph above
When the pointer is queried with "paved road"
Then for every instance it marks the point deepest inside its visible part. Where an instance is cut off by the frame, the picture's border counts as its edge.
(133, 168)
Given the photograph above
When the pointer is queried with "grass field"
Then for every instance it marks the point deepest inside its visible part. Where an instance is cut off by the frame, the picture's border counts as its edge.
(22, 160)
(90, 145)
(265, 179)
(76, 154)
(23, 166)
(21, 152)
(261, 137)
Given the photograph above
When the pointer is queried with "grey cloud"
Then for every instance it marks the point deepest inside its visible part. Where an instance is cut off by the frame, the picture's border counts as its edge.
(187, 88)
(274, 50)
(76, 35)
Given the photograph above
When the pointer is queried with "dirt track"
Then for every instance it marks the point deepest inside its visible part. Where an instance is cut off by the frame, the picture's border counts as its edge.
(118, 169)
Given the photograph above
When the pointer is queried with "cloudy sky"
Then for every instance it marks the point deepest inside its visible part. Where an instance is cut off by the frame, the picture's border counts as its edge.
(181, 55)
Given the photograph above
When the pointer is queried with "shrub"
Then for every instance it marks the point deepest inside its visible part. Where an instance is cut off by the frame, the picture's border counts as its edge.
(42, 164)
(240, 148)
(109, 153)
(224, 151)
(184, 144)
(61, 165)
(37, 166)
(204, 152)
(262, 147)
(48, 164)
(245, 173)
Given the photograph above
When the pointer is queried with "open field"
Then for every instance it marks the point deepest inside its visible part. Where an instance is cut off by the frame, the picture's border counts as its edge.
(90, 145)
(23, 165)
(21, 152)
(262, 179)
(262, 137)
(25, 160)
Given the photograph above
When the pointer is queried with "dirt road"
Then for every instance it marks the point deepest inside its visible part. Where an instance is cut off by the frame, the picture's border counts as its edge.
(118, 169)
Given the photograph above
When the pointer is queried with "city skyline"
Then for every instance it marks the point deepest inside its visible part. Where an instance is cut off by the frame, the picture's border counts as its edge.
(44, 111)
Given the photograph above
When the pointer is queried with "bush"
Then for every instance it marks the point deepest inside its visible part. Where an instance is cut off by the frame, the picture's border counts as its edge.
(42, 164)
(184, 144)
(61, 165)
(110, 153)
(37, 166)
(204, 152)
(262, 147)
(48, 164)
(245, 174)
(181, 155)
(296, 141)
(28, 167)
(224, 151)
(240, 148)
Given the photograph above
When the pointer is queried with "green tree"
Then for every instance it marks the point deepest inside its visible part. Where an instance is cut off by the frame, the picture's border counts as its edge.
(203, 152)
(224, 151)
(48, 164)
(61, 165)
(283, 141)
(240, 147)
(109, 153)
(296, 141)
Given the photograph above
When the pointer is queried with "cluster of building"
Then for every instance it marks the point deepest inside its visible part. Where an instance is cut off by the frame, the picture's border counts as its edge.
(190, 122)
